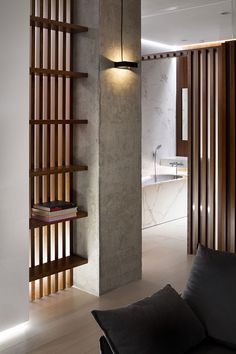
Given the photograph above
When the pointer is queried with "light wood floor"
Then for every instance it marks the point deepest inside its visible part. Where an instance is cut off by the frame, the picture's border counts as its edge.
(63, 323)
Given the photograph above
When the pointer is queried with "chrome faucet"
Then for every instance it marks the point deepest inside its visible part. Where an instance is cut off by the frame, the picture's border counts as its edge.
(176, 164)
(155, 160)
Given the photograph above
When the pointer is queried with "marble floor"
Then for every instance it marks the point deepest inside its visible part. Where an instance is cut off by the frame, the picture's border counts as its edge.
(62, 323)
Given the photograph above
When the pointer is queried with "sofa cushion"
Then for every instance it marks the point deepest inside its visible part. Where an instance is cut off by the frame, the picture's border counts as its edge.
(104, 346)
(162, 323)
(211, 293)
(210, 347)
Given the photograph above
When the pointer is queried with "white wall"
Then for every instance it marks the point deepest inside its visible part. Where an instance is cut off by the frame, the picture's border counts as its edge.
(14, 166)
(158, 110)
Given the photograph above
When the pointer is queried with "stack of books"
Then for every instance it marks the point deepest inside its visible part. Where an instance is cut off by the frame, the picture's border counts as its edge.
(54, 211)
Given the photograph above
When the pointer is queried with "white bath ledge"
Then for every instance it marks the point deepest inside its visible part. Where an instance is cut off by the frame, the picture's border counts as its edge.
(163, 201)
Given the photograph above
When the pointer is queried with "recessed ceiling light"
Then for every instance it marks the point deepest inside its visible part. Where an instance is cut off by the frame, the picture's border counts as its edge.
(158, 45)
(184, 40)
(225, 13)
(172, 8)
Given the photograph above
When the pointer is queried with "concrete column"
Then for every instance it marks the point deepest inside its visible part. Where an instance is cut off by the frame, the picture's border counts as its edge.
(14, 164)
(86, 142)
(120, 148)
(111, 145)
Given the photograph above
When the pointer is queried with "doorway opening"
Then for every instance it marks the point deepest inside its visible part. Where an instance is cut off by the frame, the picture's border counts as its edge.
(164, 153)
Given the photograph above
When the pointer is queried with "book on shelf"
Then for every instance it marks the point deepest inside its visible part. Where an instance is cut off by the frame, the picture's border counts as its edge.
(53, 218)
(60, 212)
(55, 205)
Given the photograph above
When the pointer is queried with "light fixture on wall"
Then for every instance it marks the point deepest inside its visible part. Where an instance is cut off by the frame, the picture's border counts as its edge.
(123, 64)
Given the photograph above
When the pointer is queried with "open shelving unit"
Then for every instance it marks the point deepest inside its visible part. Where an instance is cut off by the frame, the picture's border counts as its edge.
(52, 166)
(57, 170)
(42, 22)
(57, 122)
(55, 267)
(57, 73)
(34, 223)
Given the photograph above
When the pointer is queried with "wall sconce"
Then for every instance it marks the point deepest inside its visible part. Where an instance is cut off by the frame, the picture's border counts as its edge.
(123, 64)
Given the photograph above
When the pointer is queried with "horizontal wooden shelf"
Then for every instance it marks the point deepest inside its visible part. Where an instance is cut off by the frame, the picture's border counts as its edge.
(60, 73)
(54, 267)
(56, 25)
(34, 223)
(57, 122)
(57, 170)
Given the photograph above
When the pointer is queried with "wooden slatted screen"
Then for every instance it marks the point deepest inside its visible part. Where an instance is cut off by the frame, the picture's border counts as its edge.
(212, 148)
(51, 162)
(211, 145)
(203, 88)
(231, 146)
(48, 50)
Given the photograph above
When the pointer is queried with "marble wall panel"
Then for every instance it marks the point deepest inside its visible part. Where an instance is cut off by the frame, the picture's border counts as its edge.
(158, 110)
(163, 202)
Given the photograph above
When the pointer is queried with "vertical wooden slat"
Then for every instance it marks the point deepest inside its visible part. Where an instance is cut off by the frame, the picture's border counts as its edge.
(32, 243)
(40, 139)
(61, 142)
(32, 135)
(211, 187)
(56, 136)
(69, 135)
(48, 143)
(196, 148)
(203, 152)
(40, 250)
(231, 149)
(64, 140)
(49, 289)
(222, 117)
(56, 256)
(190, 151)
(36, 141)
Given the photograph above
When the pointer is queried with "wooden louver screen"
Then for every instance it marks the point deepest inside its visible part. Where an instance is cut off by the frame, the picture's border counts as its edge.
(212, 147)
(51, 160)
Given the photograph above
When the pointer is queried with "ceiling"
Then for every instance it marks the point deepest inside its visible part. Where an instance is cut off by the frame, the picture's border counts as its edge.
(168, 24)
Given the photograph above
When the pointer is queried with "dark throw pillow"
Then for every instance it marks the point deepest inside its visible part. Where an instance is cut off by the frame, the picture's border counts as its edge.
(162, 323)
(211, 293)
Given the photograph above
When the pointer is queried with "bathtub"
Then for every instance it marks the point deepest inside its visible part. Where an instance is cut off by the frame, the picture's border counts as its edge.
(163, 199)
(159, 178)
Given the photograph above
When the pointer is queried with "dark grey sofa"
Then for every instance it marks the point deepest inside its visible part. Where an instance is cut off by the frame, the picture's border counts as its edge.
(207, 347)
(201, 321)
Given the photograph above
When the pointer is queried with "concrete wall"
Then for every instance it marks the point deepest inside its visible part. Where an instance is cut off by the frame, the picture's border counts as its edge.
(14, 170)
(158, 110)
(110, 145)
(120, 148)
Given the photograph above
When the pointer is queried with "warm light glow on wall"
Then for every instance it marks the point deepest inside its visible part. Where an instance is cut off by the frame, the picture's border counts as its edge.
(121, 81)
(113, 54)
(14, 331)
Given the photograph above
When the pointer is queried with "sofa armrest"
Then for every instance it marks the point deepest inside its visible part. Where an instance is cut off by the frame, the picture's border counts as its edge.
(104, 346)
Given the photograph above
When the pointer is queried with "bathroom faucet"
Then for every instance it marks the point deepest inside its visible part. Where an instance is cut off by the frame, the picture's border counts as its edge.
(155, 160)
(176, 164)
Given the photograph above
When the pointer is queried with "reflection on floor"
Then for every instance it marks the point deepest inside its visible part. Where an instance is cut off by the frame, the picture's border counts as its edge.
(63, 324)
